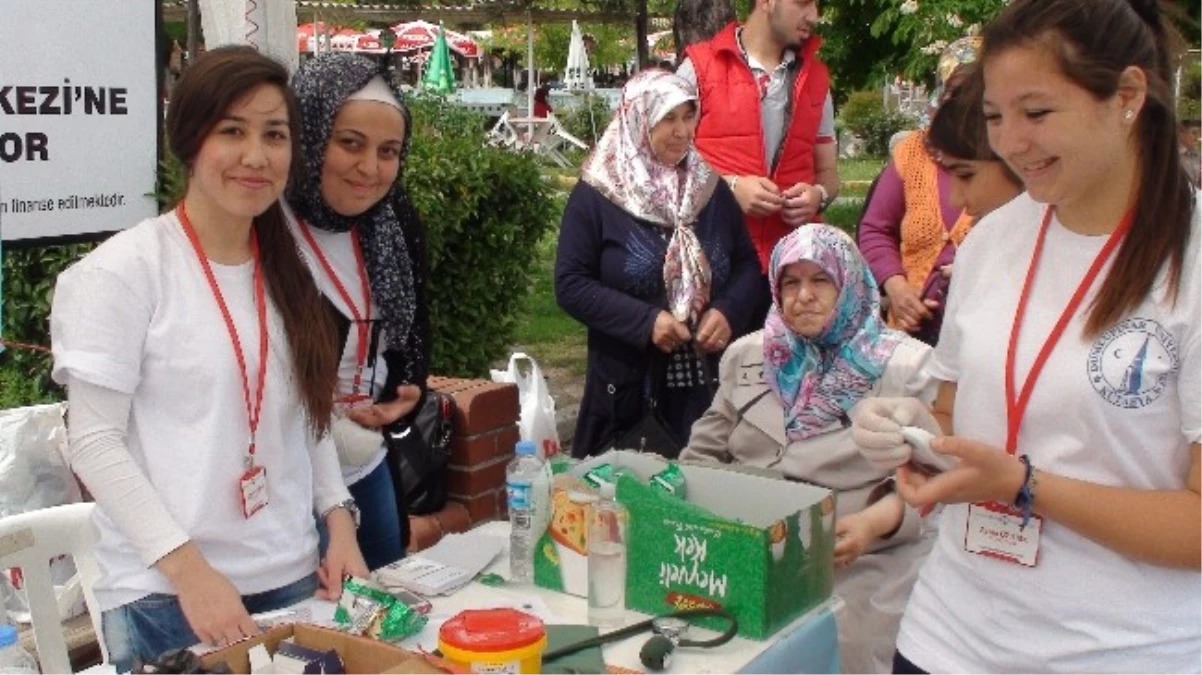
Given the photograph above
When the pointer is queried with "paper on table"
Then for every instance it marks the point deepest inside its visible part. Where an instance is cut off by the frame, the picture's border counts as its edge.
(471, 551)
(446, 567)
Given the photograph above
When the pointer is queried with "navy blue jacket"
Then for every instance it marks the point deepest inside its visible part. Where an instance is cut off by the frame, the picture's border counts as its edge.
(609, 276)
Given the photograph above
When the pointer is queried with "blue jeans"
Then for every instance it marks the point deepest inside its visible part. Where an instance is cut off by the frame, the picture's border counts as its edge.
(379, 521)
(146, 628)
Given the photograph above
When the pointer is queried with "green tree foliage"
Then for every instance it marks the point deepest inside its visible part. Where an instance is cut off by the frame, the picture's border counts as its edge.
(613, 44)
(29, 276)
(1189, 105)
(587, 119)
(923, 28)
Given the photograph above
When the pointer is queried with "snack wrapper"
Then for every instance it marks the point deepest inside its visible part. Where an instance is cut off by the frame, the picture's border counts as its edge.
(368, 610)
(669, 482)
(602, 473)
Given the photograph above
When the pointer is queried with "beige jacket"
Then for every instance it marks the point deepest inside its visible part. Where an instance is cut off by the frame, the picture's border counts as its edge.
(745, 424)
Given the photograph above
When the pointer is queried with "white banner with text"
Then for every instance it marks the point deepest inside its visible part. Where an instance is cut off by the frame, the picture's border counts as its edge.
(78, 116)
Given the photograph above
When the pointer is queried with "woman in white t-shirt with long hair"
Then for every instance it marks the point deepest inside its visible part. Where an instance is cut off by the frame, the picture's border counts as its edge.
(1071, 368)
(200, 368)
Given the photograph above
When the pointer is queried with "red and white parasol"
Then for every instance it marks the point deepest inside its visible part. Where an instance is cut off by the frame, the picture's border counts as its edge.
(416, 35)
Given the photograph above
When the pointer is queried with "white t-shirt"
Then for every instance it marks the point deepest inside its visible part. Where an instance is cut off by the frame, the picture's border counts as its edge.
(1120, 410)
(339, 251)
(138, 317)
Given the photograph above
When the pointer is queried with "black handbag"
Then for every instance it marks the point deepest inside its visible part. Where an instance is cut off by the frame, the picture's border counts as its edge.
(419, 453)
(651, 433)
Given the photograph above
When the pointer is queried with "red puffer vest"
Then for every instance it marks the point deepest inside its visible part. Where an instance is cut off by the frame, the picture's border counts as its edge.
(730, 134)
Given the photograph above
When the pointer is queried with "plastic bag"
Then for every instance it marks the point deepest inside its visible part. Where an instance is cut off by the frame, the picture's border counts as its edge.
(34, 475)
(537, 422)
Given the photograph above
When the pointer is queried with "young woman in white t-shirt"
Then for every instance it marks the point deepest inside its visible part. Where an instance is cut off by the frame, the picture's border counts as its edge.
(365, 246)
(200, 369)
(1071, 367)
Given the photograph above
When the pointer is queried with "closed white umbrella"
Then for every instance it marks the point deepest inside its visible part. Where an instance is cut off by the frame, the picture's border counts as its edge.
(576, 76)
(269, 27)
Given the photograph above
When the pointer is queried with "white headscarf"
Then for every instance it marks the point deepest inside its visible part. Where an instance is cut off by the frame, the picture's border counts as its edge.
(624, 169)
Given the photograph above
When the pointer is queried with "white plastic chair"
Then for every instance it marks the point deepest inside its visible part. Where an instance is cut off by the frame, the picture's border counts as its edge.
(558, 130)
(30, 541)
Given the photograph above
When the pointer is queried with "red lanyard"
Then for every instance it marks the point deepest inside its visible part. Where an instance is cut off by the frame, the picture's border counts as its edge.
(361, 318)
(1017, 407)
(252, 412)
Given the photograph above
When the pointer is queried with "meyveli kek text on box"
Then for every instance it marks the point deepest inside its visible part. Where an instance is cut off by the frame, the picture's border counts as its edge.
(757, 546)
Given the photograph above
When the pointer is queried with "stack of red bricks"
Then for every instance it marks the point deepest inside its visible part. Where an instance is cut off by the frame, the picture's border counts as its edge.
(486, 430)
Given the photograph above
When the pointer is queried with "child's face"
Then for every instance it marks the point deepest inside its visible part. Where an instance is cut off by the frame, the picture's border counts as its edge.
(1189, 136)
(979, 186)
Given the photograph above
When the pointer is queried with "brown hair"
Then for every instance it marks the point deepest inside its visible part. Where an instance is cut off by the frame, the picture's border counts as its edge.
(1093, 41)
(208, 88)
(958, 127)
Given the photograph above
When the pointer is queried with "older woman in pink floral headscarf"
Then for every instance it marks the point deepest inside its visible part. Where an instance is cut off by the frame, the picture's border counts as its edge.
(783, 405)
(653, 258)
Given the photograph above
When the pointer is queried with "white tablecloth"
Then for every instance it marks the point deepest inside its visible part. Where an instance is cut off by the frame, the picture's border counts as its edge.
(808, 645)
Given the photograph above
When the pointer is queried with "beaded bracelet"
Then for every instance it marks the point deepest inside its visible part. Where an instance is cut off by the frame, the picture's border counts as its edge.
(1025, 499)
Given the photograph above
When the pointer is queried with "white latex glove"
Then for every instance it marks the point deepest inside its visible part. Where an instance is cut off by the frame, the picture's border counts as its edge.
(876, 427)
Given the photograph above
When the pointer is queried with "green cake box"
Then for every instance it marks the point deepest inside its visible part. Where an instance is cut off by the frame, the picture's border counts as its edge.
(744, 540)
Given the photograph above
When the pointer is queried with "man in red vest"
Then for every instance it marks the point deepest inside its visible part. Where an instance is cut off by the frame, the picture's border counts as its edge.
(767, 120)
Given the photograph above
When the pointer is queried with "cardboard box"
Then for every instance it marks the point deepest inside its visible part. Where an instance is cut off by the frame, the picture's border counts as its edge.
(755, 545)
(359, 654)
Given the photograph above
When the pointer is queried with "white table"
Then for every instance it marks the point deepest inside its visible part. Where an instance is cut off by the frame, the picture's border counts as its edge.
(808, 645)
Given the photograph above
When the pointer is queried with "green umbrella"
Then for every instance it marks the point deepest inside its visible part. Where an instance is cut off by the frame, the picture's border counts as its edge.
(440, 73)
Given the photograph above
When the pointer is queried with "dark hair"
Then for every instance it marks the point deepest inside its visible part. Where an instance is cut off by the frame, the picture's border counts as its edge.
(205, 92)
(1093, 41)
(699, 20)
(958, 126)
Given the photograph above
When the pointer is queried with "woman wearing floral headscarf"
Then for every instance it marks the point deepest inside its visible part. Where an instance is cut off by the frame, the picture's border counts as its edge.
(653, 258)
(910, 228)
(782, 403)
(365, 247)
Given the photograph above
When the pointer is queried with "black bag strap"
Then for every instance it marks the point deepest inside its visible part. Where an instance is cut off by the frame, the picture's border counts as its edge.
(656, 372)
(742, 411)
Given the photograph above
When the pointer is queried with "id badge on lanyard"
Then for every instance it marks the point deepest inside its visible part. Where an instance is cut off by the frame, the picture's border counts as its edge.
(996, 530)
(252, 485)
(252, 490)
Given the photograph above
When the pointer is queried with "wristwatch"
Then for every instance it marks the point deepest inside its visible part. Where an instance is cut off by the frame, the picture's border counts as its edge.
(349, 505)
(825, 201)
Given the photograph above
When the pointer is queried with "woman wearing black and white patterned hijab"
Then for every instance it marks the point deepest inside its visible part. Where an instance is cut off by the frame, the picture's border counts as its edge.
(365, 247)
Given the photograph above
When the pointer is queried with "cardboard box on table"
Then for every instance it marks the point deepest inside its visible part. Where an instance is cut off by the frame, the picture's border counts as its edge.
(758, 546)
(359, 654)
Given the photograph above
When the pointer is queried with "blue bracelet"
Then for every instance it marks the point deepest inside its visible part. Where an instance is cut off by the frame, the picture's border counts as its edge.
(1025, 499)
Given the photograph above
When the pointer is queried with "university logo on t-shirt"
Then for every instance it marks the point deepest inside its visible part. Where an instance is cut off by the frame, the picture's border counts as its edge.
(1130, 364)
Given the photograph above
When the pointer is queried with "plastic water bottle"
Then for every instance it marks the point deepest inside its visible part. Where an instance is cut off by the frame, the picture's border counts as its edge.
(607, 561)
(13, 657)
(528, 485)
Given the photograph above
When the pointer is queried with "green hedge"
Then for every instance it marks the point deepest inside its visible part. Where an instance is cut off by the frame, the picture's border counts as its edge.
(864, 114)
(485, 209)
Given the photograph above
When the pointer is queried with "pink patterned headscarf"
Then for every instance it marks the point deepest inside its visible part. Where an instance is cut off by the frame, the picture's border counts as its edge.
(819, 379)
(624, 169)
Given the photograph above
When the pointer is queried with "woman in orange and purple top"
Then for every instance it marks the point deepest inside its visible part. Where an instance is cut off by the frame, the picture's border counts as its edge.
(911, 229)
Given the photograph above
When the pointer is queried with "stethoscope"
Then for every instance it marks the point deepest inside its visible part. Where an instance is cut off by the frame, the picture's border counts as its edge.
(669, 631)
